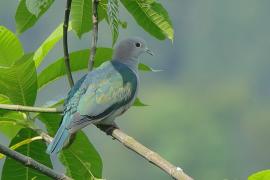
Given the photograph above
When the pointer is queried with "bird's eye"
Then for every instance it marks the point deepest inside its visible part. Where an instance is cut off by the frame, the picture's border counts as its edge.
(138, 44)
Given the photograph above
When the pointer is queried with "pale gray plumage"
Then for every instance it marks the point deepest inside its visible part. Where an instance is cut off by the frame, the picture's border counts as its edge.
(102, 94)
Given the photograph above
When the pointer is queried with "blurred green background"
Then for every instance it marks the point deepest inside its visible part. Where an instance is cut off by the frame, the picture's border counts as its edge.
(209, 107)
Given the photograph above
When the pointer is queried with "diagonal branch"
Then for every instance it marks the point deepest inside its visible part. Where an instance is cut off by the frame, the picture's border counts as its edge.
(29, 162)
(94, 34)
(65, 43)
(129, 142)
(151, 156)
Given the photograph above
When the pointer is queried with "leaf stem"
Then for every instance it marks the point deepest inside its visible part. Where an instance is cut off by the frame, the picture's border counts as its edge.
(65, 43)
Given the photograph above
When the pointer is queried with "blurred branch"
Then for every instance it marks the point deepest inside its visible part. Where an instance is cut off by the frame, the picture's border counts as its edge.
(129, 142)
(94, 34)
(65, 43)
(29, 162)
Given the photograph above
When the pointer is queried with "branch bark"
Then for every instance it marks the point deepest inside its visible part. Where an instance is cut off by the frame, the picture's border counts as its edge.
(94, 34)
(131, 143)
(29, 108)
(65, 43)
(151, 156)
(29, 162)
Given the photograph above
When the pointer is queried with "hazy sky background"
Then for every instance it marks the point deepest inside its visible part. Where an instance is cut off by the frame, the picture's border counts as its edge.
(209, 108)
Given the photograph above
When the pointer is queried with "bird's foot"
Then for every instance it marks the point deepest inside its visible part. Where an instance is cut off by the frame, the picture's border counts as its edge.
(108, 129)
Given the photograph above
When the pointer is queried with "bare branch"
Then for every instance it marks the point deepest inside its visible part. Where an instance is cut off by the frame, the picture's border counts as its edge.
(129, 142)
(29, 162)
(151, 156)
(65, 43)
(94, 34)
(29, 108)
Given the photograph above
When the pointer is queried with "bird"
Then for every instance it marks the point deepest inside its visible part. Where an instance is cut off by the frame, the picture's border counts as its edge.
(102, 94)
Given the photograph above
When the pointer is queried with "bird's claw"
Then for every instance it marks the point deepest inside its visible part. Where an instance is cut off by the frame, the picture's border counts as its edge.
(108, 129)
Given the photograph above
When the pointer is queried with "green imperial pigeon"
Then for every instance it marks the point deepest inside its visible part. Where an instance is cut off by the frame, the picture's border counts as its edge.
(102, 94)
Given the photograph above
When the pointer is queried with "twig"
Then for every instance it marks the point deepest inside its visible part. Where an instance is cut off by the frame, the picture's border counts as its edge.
(65, 43)
(131, 143)
(94, 34)
(29, 108)
(46, 137)
(29, 162)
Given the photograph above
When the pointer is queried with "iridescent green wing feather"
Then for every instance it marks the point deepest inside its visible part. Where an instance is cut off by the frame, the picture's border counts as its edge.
(113, 88)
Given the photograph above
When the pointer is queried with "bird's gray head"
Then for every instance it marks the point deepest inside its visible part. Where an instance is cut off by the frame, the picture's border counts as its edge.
(130, 49)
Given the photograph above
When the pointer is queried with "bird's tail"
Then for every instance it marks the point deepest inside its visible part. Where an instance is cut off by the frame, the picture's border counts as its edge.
(59, 139)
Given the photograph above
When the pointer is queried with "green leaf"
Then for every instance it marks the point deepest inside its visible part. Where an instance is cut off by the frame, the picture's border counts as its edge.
(12, 122)
(48, 44)
(78, 61)
(10, 47)
(81, 19)
(4, 100)
(144, 67)
(81, 16)
(152, 17)
(36, 150)
(138, 103)
(19, 82)
(29, 11)
(113, 18)
(78, 163)
(261, 175)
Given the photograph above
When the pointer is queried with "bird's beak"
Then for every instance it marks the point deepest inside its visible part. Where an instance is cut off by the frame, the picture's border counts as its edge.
(149, 51)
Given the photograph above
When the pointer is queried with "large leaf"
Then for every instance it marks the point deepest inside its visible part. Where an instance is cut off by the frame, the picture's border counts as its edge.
(10, 47)
(12, 122)
(151, 16)
(113, 18)
(81, 159)
(261, 175)
(29, 11)
(36, 150)
(48, 44)
(19, 82)
(78, 61)
(81, 16)
(79, 164)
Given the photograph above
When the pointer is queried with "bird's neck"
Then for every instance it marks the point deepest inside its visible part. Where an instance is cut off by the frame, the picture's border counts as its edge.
(132, 63)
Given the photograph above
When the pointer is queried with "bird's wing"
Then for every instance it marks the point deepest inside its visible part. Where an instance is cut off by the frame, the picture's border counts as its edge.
(113, 87)
(72, 100)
